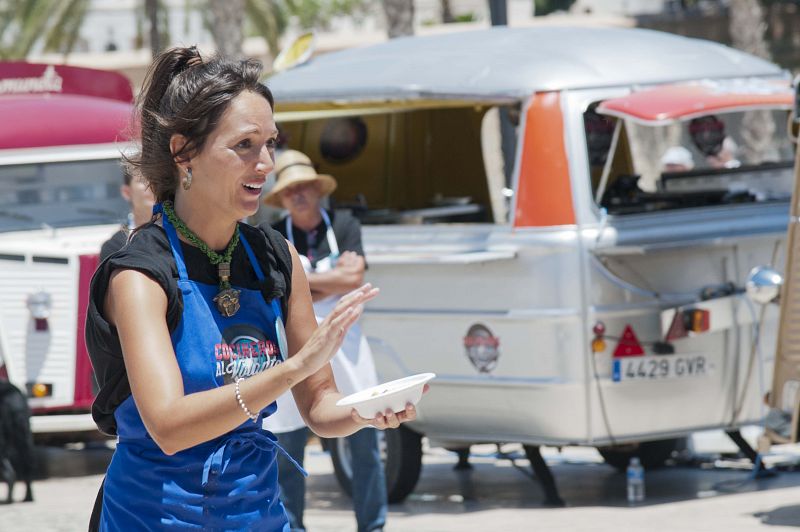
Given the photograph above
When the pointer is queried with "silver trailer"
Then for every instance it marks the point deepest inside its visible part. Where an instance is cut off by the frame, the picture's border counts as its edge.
(535, 242)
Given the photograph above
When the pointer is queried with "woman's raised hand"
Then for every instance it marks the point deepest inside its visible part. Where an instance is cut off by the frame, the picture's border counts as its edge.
(327, 339)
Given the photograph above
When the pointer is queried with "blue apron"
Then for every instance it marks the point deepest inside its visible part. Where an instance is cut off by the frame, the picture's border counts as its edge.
(231, 482)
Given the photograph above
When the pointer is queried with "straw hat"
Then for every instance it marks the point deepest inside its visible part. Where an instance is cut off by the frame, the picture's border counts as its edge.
(293, 167)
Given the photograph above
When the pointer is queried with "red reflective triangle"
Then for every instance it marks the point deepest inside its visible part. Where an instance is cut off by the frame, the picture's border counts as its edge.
(628, 345)
(678, 328)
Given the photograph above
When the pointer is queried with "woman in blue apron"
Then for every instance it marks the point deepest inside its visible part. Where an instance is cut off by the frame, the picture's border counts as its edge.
(190, 354)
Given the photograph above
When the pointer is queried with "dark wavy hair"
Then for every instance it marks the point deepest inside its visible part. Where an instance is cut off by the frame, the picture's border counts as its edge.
(186, 95)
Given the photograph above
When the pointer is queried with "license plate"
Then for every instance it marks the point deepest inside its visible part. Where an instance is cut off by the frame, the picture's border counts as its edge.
(650, 368)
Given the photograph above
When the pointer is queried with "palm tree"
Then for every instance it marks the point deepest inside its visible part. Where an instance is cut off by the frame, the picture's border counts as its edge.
(399, 17)
(151, 12)
(54, 23)
(226, 23)
(747, 28)
(447, 12)
(157, 16)
(269, 18)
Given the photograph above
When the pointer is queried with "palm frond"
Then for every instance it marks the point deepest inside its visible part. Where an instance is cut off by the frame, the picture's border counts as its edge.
(269, 21)
(55, 23)
(64, 32)
(7, 9)
(76, 23)
(31, 23)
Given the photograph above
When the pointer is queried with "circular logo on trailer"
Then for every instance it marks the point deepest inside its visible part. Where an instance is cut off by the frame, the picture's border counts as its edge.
(246, 351)
(482, 348)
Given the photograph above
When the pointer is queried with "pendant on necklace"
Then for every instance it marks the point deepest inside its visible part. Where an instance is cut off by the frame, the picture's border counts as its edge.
(227, 299)
(227, 302)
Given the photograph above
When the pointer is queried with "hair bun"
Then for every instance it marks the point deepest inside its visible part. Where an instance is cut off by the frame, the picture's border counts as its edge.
(194, 57)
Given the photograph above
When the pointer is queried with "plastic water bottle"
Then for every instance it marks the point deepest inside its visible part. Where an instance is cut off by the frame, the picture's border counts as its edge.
(635, 474)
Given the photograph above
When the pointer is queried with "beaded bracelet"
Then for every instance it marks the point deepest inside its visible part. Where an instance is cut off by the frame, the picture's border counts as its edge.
(253, 417)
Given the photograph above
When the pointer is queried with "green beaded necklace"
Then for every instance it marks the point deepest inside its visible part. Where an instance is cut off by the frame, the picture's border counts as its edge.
(227, 299)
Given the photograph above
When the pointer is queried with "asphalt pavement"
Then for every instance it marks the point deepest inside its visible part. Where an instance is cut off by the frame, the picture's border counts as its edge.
(711, 490)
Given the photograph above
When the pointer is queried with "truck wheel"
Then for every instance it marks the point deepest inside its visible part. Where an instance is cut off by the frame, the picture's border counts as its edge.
(652, 454)
(401, 449)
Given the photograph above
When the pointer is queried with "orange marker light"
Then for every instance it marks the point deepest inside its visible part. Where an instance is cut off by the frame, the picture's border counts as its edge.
(697, 320)
(598, 345)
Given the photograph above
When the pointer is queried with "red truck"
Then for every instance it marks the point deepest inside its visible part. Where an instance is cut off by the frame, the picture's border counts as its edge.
(62, 133)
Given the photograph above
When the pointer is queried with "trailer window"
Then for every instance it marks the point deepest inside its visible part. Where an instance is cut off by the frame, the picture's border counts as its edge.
(720, 159)
(423, 166)
(61, 194)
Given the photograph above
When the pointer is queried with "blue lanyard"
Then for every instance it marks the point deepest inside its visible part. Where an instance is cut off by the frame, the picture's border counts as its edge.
(329, 234)
(280, 330)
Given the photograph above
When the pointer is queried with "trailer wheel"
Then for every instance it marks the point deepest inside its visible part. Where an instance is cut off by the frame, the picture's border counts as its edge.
(401, 449)
(652, 454)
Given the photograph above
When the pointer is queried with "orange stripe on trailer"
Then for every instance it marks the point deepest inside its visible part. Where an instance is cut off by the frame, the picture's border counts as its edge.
(544, 194)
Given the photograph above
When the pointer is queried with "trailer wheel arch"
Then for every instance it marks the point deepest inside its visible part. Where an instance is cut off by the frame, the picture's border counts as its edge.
(401, 451)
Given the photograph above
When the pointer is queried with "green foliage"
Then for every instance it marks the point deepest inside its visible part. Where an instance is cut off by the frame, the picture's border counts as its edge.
(466, 17)
(319, 13)
(270, 18)
(67, 28)
(24, 23)
(56, 23)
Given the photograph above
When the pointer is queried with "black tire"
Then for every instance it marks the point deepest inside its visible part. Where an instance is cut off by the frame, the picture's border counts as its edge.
(652, 454)
(401, 450)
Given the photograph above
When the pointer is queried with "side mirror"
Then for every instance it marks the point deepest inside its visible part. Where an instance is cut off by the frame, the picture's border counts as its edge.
(297, 53)
(763, 285)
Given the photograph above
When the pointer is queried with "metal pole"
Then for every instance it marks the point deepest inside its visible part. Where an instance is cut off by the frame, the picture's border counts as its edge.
(151, 11)
(498, 12)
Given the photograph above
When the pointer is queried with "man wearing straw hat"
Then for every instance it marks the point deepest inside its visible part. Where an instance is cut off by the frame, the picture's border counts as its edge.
(330, 249)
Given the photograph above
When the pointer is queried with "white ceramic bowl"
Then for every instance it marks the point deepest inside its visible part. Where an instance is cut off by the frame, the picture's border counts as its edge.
(394, 394)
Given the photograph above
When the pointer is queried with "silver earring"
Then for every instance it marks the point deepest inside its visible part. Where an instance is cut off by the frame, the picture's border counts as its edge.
(187, 181)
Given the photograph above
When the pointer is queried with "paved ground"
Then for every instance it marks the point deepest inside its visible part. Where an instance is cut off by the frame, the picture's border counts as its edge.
(496, 495)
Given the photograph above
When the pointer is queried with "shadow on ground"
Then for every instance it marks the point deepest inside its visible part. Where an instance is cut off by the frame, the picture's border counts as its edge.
(72, 461)
(783, 516)
(499, 483)
(503, 484)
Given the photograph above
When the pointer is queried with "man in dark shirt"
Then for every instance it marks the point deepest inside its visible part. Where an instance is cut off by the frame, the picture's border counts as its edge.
(329, 246)
(135, 190)
(313, 244)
